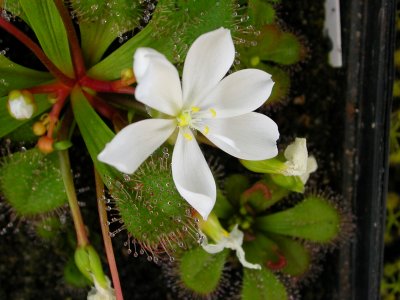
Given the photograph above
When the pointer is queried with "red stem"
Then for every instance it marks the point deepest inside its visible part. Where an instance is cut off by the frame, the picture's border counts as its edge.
(102, 107)
(49, 88)
(106, 236)
(106, 86)
(55, 111)
(23, 38)
(77, 56)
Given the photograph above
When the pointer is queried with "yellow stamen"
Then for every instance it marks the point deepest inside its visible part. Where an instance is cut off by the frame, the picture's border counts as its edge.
(184, 119)
(195, 109)
(206, 130)
(188, 136)
(213, 112)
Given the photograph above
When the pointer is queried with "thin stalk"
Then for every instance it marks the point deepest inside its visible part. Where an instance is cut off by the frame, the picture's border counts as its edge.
(23, 38)
(77, 56)
(106, 86)
(65, 167)
(106, 236)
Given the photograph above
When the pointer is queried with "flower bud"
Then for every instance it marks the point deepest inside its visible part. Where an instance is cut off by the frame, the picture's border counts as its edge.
(45, 144)
(38, 128)
(21, 104)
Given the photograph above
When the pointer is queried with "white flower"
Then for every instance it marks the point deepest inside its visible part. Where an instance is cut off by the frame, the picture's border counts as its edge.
(99, 293)
(221, 109)
(233, 241)
(298, 162)
(21, 104)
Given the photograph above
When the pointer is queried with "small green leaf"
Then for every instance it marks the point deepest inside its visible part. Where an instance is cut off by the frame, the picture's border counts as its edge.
(110, 68)
(14, 76)
(9, 124)
(261, 13)
(313, 219)
(201, 271)
(223, 209)
(262, 285)
(298, 258)
(261, 250)
(94, 131)
(291, 183)
(48, 26)
(272, 166)
(234, 186)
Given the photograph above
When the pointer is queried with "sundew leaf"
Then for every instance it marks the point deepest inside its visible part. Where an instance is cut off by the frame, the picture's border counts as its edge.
(101, 22)
(297, 257)
(313, 219)
(9, 124)
(14, 8)
(261, 12)
(14, 76)
(47, 24)
(261, 250)
(173, 28)
(94, 131)
(262, 285)
(37, 176)
(201, 271)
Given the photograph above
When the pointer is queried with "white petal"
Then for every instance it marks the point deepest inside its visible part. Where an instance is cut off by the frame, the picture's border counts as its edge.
(239, 93)
(251, 136)
(207, 62)
(311, 167)
(133, 144)
(158, 82)
(192, 176)
(241, 256)
(297, 155)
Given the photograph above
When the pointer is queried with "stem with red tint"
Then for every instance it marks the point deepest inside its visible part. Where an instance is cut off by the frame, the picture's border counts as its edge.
(106, 236)
(77, 56)
(56, 109)
(100, 106)
(23, 38)
(106, 86)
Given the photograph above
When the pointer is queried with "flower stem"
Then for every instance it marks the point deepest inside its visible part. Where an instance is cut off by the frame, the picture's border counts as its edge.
(106, 86)
(80, 229)
(106, 236)
(77, 56)
(23, 38)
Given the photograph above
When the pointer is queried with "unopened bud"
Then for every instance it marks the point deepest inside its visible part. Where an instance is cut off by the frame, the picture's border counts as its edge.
(127, 75)
(45, 144)
(21, 104)
(38, 128)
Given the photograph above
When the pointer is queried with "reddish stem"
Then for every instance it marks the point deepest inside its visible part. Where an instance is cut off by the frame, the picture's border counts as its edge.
(23, 38)
(50, 88)
(77, 56)
(106, 86)
(56, 109)
(103, 108)
(106, 236)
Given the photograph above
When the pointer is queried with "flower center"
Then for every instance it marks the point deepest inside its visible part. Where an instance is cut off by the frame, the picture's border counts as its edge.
(193, 118)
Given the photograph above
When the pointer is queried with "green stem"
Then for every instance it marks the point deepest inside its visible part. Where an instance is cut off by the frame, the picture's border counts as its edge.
(80, 229)
(106, 236)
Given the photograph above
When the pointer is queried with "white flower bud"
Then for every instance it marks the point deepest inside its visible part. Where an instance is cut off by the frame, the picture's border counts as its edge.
(21, 104)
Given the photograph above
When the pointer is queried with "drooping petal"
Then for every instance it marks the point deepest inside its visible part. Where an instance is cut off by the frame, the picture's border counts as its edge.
(296, 155)
(239, 93)
(208, 60)
(158, 82)
(133, 144)
(192, 176)
(251, 136)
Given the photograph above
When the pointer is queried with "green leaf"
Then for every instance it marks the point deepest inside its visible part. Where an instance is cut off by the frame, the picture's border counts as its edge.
(14, 7)
(313, 219)
(261, 13)
(201, 271)
(110, 68)
(234, 186)
(31, 183)
(94, 131)
(96, 38)
(47, 24)
(9, 124)
(291, 183)
(272, 166)
(261, 250)
(298, 258)
(14, 76)
(262, 285)
(223, 209)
